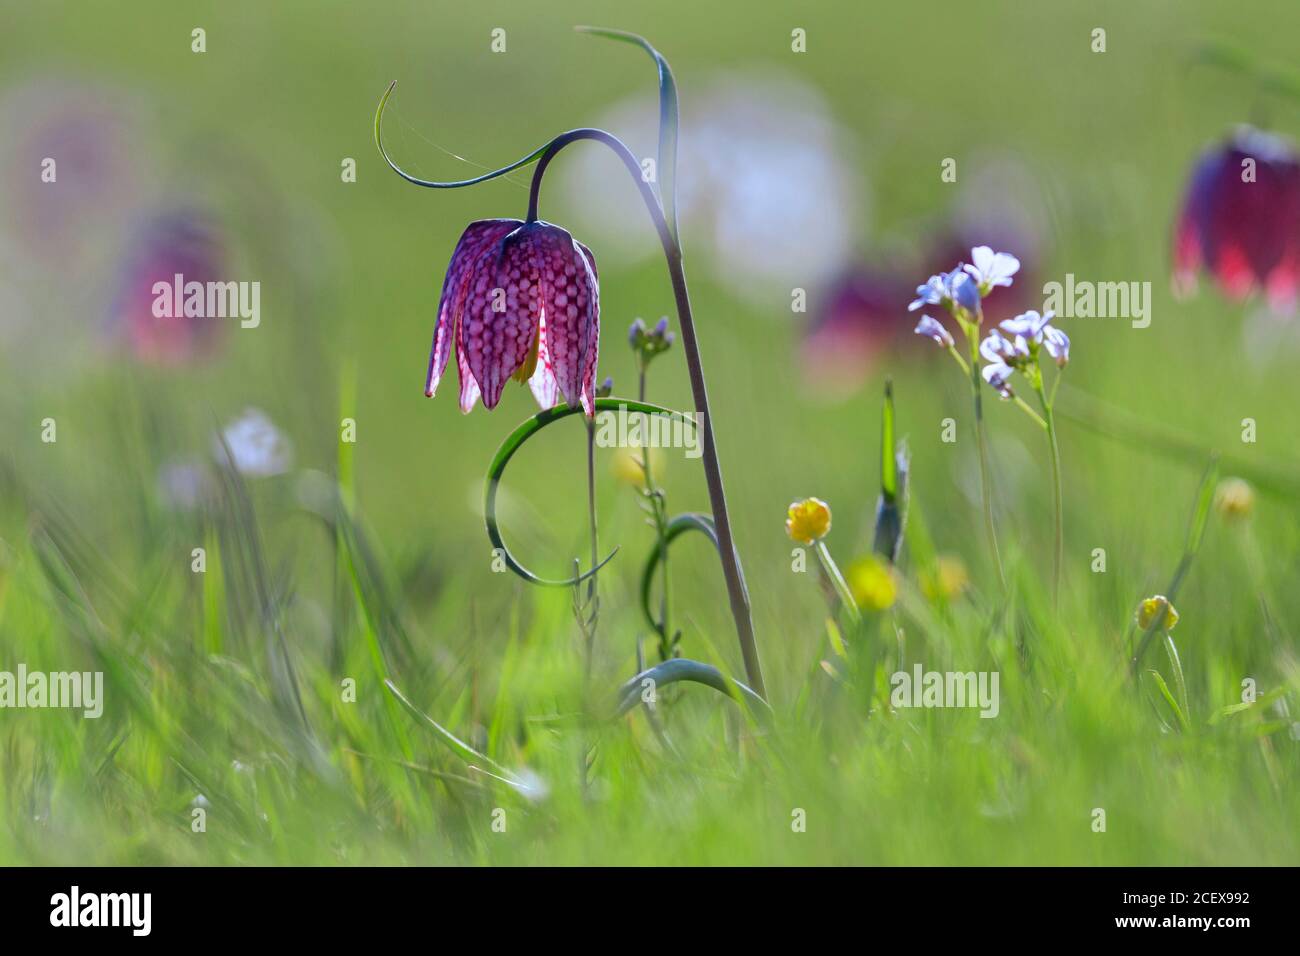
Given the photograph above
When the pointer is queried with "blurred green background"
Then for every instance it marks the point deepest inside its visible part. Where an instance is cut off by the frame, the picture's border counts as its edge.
(1098, 148)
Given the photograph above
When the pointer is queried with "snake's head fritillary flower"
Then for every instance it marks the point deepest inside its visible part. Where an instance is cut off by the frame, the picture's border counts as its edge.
(1234, 499)
(1157, 607)
(931, 328)
(1241, 219)
(808, 520)
(991, 269)
(178, 242)
(520, 300)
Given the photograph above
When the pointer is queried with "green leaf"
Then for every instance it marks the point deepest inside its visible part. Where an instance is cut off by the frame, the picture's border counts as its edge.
(890, 508)
(514, 441)
(1176, 668)
(1201, 513)
(1169, 698)
(478, 761)
(677, 525)
(888, 467)
(668, 122)
(684, 669)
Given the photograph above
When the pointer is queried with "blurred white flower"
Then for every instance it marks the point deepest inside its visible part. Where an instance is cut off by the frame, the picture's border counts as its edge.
(768, 186)
(184, 483)
(257, 448)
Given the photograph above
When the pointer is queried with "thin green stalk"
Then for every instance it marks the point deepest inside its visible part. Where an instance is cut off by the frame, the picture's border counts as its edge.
(655, 496)
(1019, 402)
(837, 579)
(593, 607)
(1050, 421)
(737, 593)
(985, 485)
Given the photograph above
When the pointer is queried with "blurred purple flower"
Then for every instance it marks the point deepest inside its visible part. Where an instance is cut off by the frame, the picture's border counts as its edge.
(179, 241)
(1241, 219)
(92, 135)
(856, 324)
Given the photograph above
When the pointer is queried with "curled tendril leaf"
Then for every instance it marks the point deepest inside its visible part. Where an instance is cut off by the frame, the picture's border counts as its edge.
(690, 521)
(668, 120)
(432, 184)
(684, 669)
(514, 441)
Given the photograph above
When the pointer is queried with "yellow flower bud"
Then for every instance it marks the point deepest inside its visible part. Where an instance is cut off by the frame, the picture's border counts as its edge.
(1152, 607)
(1234, 499)
(872, 582)
(948, 579)
(628, 465)
(808, 520)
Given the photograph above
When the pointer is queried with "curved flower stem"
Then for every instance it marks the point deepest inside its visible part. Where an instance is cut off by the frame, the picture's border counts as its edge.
(985, 489)
(1028, 410)
(737, 593)
(1050, 422)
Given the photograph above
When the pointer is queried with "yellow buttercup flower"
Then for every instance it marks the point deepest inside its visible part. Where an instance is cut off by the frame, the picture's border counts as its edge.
(1234, 498)
(872, 582)
(948, 579)
(1152, 607)
(808, 520)
(628, 465)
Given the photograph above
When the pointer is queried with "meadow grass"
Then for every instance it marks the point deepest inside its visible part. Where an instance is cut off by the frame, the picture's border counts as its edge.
(224, 690)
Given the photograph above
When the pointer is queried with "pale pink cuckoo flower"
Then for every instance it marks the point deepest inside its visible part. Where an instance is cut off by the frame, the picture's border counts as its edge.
(520, 300)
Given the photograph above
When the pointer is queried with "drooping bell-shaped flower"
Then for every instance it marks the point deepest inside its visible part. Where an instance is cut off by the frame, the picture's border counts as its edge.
(1241, 219)
(520, 300)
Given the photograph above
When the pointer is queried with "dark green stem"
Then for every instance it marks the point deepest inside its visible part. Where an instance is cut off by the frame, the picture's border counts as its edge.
(737, 593)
